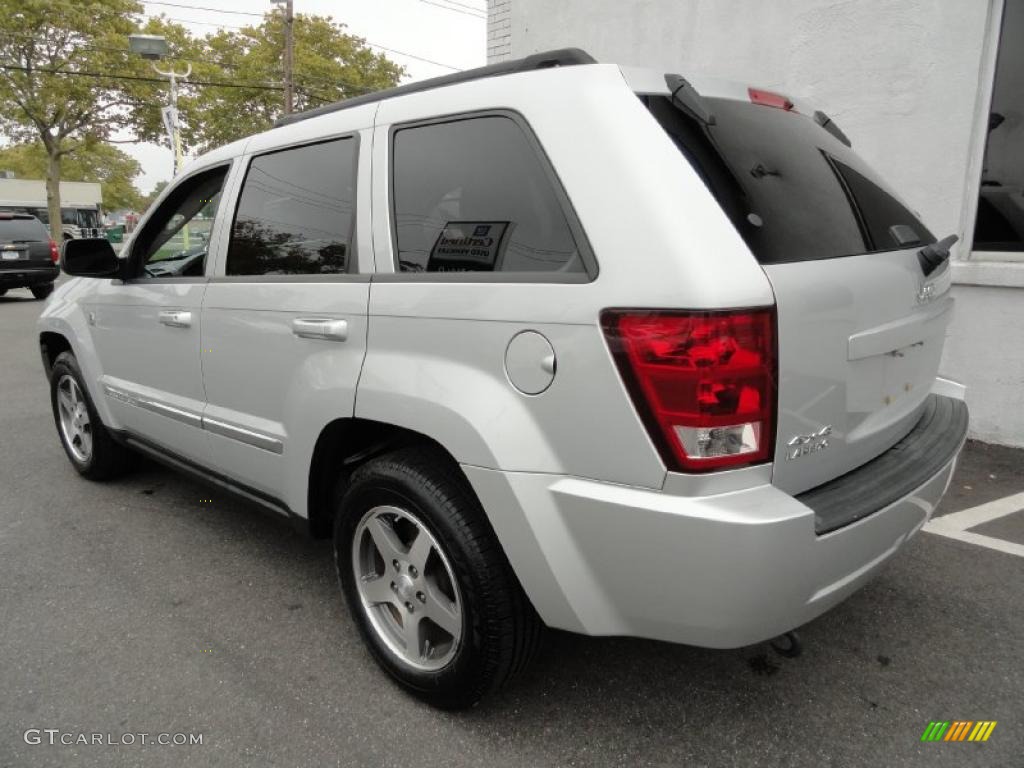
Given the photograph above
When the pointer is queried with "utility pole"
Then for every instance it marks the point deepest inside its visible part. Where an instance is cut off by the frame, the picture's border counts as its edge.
(289, 54)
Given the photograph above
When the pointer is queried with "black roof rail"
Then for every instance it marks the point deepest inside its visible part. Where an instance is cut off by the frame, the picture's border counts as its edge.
(563, 57)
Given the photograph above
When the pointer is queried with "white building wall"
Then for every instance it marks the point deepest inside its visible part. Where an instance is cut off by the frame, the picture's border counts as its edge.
(904, 79)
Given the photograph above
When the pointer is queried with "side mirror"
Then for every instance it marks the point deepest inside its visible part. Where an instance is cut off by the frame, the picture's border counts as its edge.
(90, 257)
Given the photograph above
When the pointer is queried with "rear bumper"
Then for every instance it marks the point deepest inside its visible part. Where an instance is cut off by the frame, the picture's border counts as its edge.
(722, 570)
(20, 278)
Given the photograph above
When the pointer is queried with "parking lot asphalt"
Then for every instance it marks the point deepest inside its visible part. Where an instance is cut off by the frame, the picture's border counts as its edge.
(154, 604)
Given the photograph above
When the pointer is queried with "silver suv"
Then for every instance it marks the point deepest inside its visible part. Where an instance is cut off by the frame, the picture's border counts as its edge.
(551, 342)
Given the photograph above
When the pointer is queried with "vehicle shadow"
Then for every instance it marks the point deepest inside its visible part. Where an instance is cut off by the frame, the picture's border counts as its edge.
(588, 698)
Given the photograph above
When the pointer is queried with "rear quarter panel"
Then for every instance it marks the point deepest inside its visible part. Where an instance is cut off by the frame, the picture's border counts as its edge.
(435, 348)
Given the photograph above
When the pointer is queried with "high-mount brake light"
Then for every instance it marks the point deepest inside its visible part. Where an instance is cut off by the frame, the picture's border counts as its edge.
(770, 99)
(703, 382)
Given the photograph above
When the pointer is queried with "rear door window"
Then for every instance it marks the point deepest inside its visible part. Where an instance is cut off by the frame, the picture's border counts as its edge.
(792, 190)
(296, 211)
(474, 195)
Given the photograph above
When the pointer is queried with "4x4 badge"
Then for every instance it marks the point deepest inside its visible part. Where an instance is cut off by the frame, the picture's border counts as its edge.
(801, 445)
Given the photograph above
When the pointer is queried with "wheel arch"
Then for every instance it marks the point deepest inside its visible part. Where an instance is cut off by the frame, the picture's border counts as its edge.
(342, 446)
(51, 345)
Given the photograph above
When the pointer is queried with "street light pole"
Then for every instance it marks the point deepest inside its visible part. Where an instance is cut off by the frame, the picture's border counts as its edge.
(170, 113)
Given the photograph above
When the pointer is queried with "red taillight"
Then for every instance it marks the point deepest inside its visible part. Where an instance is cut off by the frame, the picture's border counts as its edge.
(703, 382)
(54, 252)
(770, 99)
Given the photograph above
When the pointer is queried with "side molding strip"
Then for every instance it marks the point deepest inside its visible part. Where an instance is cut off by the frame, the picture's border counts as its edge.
(193, 419)
(243, 435)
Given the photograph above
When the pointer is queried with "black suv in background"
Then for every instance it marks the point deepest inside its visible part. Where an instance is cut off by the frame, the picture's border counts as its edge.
(28, 257)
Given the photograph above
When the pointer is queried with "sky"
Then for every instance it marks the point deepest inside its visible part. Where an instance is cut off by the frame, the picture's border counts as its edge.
(449, 32)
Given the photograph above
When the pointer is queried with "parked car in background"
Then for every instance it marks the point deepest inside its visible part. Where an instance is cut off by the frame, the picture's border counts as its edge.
(28, 256)
(551, 342)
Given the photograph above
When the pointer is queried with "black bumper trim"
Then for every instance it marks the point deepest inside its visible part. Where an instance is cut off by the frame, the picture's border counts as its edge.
(933, 442)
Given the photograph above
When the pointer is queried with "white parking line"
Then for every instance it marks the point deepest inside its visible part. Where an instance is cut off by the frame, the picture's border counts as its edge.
(956, 524)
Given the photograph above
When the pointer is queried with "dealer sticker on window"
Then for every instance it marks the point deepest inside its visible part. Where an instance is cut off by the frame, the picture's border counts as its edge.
(468, 246)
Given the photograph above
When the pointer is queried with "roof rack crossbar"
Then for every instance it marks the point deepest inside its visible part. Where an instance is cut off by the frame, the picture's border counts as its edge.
(563, 57)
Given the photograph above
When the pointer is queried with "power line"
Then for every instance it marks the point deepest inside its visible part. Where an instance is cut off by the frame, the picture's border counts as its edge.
(210, 83)
(412, 56)
(454, 10)
(142, 78)
(204, 23)
(465, 5)
(200, 8)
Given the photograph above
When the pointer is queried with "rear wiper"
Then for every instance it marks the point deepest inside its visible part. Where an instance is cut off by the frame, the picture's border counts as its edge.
(687, 99)
(829, 125)
(932, 256)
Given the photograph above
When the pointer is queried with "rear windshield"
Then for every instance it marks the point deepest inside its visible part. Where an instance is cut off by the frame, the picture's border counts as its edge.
(792, 190)
(12, 230)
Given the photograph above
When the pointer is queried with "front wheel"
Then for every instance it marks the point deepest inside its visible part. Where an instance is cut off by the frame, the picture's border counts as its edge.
(426, 581)
(88, 444)
(41, 291)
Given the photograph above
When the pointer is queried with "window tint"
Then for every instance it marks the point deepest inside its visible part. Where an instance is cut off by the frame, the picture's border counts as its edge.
(175, 240)
(791, 189)
(474, 196)
(22, 230)
(295, 212)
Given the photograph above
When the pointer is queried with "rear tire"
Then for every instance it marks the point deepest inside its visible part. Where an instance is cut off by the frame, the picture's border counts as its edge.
(89, 446)
(413, 490)
(41, 291)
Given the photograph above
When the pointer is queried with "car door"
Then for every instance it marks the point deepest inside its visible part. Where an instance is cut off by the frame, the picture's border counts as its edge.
(284, 317)
(146, 328)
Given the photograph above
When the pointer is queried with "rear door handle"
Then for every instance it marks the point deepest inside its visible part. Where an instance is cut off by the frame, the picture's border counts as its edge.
(176, 318)
(320, 328)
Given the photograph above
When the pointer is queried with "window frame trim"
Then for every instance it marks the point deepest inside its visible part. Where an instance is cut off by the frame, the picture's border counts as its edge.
(135, 265)
(980, 266)
(352, 264)
(591, 269)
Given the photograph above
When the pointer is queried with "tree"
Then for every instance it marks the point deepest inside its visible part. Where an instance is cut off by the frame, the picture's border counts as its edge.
(148, 199)
(57, 87)
(329, 65)
(99, 162)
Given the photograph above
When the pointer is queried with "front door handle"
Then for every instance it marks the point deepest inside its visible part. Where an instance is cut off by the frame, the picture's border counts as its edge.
(176, 318)
(320, 328)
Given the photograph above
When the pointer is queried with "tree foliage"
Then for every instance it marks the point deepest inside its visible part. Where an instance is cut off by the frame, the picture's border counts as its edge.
(69, 82)
(329, 65)
(57, 56)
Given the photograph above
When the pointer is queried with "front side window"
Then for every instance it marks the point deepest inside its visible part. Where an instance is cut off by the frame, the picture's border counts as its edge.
(473, 195)
(175, 240)
(295, 212)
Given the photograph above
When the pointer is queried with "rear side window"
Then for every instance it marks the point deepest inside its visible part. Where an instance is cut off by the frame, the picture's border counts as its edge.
(22, 230)
(475, 195)
(295, 212)
(791, 189)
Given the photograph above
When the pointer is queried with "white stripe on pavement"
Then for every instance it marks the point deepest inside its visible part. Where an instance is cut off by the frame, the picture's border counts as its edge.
(956, 524)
